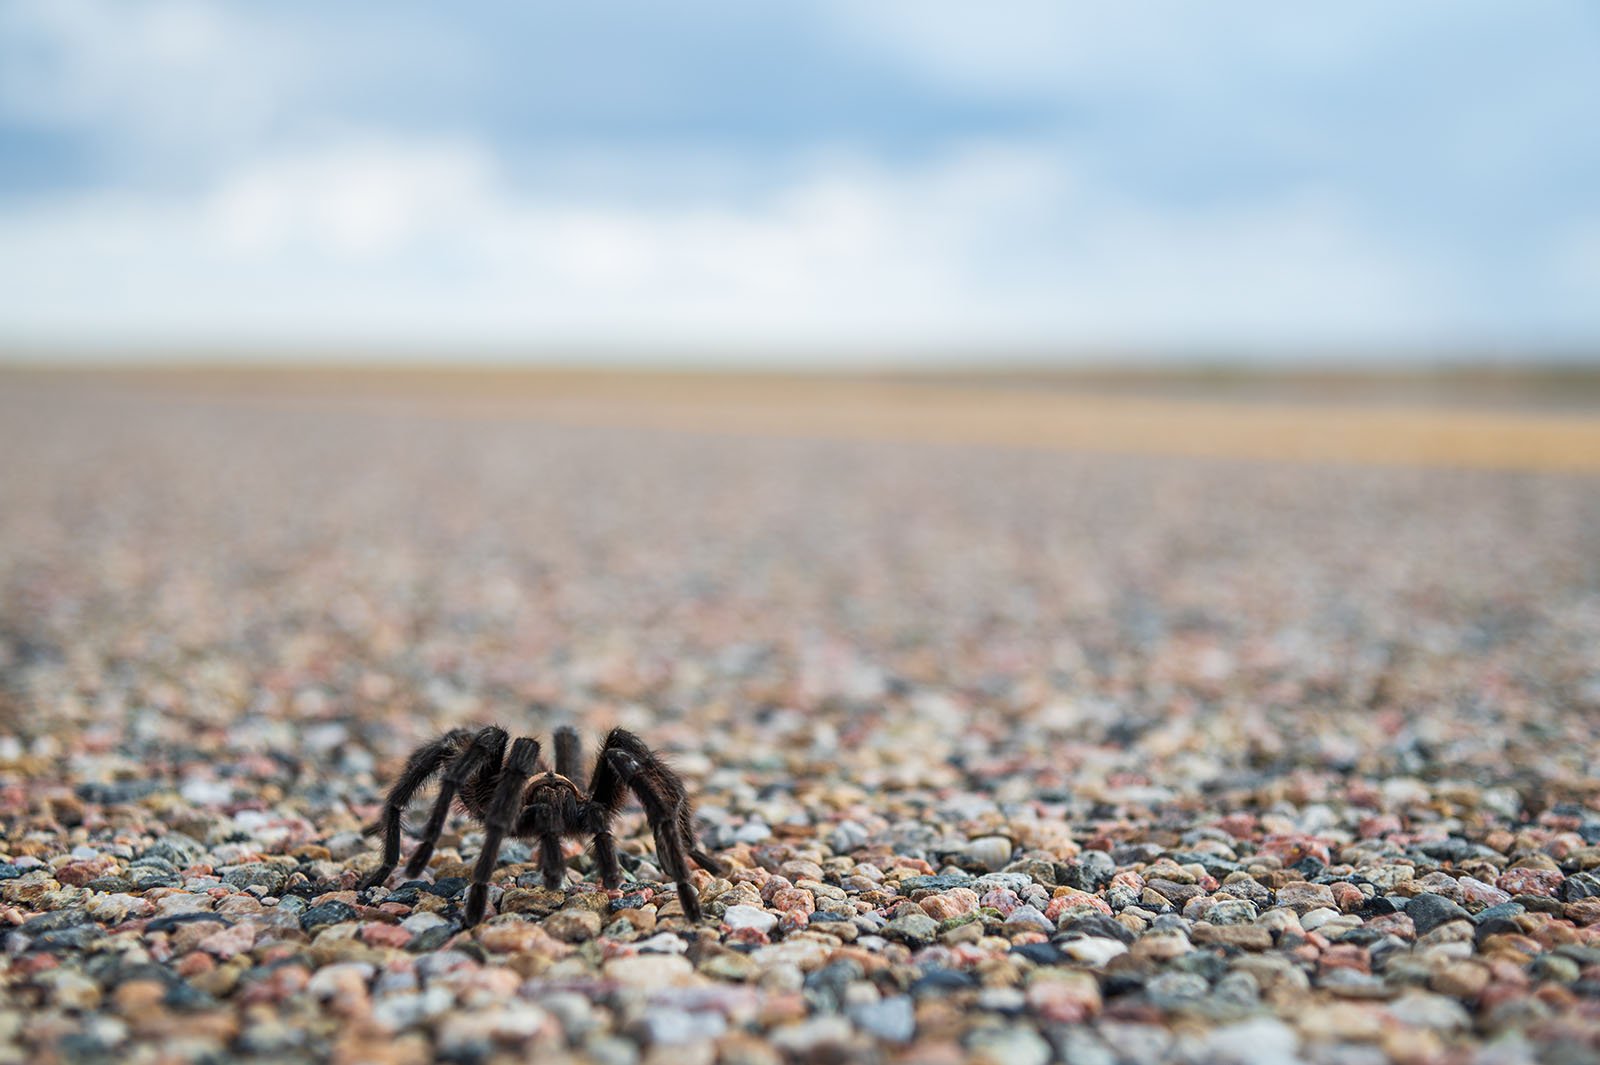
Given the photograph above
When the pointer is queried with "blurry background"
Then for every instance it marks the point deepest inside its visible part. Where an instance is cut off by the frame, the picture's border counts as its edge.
(906, 184)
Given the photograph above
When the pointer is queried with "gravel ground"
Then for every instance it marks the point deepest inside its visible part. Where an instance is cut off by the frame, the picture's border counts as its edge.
(1013, 756)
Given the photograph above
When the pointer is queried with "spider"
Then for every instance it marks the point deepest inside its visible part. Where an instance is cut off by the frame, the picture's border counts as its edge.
(519, 796)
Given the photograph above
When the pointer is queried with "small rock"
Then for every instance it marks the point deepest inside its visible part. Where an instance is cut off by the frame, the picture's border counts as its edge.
(814, 1037)
(892, 1019)
(1094, 951)
(1303, 897)
(740, 917)
(990, 852)
(1161, 946)
(1424, 1010)
(1544, 883)
(730, 965)
(1428, 911)
(1028, 919)
(269, 877)
(1463, 980)
(1258, 1041)
(325, 914)
(914, 929)
(649, 970)
(1065, 996)
(846, 837)
(503, 936)
(341, 979)
(1013, 1045)
(573, 925)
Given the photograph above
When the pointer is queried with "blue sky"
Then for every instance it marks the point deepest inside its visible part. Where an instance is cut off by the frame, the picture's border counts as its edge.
(775, 181)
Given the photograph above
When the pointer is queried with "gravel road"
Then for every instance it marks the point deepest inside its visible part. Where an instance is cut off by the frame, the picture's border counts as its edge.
(1014, 756)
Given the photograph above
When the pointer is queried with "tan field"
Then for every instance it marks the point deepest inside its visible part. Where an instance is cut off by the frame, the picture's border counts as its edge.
(1486, 421)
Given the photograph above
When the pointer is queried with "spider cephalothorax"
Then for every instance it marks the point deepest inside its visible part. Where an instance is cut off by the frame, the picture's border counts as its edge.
(516, 795)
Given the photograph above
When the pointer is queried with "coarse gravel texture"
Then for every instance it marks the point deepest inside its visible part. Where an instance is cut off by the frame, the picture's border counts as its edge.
(1013, 756)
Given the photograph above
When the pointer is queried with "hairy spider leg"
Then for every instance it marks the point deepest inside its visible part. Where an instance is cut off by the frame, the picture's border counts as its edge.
(666, 806)
(478, 765)
(500, 817)
(424, 762)
(607, 793)
(569, 752)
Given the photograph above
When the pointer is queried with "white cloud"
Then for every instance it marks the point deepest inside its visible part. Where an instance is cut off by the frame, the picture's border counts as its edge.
(362, 200)
(426, 243)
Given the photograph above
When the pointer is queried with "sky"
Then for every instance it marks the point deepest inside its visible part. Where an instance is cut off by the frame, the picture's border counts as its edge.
(897, 180)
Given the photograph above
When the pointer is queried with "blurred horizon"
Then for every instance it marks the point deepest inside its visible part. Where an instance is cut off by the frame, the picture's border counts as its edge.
(830, 185)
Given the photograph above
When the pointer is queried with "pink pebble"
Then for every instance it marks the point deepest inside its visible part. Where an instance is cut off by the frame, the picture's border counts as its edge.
(377, 934)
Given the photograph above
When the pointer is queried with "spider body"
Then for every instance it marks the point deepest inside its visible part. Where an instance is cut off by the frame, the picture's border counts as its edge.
(515, 794)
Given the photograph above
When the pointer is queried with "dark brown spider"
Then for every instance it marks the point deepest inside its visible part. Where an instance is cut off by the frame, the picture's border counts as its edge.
(518, 796)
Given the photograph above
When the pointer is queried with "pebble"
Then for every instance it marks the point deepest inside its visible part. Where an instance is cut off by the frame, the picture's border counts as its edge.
(738, 917)
(990, 852)
(847, 836)
(329, 913)
(1258, 1041)
(892, 1019)
(1011, 1045)
(913, 929)
(649, 970)
(1303, 897)
(573, 925)
(1065, 997)
(1428, 911)
(1093, 951)
(812, 1037)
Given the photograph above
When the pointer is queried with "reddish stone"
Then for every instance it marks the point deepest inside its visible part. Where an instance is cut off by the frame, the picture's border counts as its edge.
(1070, 899)
(1475, 894)
(1553, 934)
(948, 904)
(1003, 899)
(793, 920)
(226, 942)
(1378, 825)
(1345, 956)
(1348, 897)
(34, 964)
(1584, 911)
(1066, 1001)
(1239, 826)
(196, 963)
(384, 935)
(1296, 848)
(1394, 925)
(1543, 882)
(77, 874)
(793, 900)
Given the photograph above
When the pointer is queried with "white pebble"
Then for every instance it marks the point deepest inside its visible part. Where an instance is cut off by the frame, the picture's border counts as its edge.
(738, 917)
(1095, 950)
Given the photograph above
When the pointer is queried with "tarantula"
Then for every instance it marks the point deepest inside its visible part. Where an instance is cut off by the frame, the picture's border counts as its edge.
(519, 796)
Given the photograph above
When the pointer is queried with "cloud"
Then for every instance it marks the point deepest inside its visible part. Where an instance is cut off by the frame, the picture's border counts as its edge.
(1001, 245)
